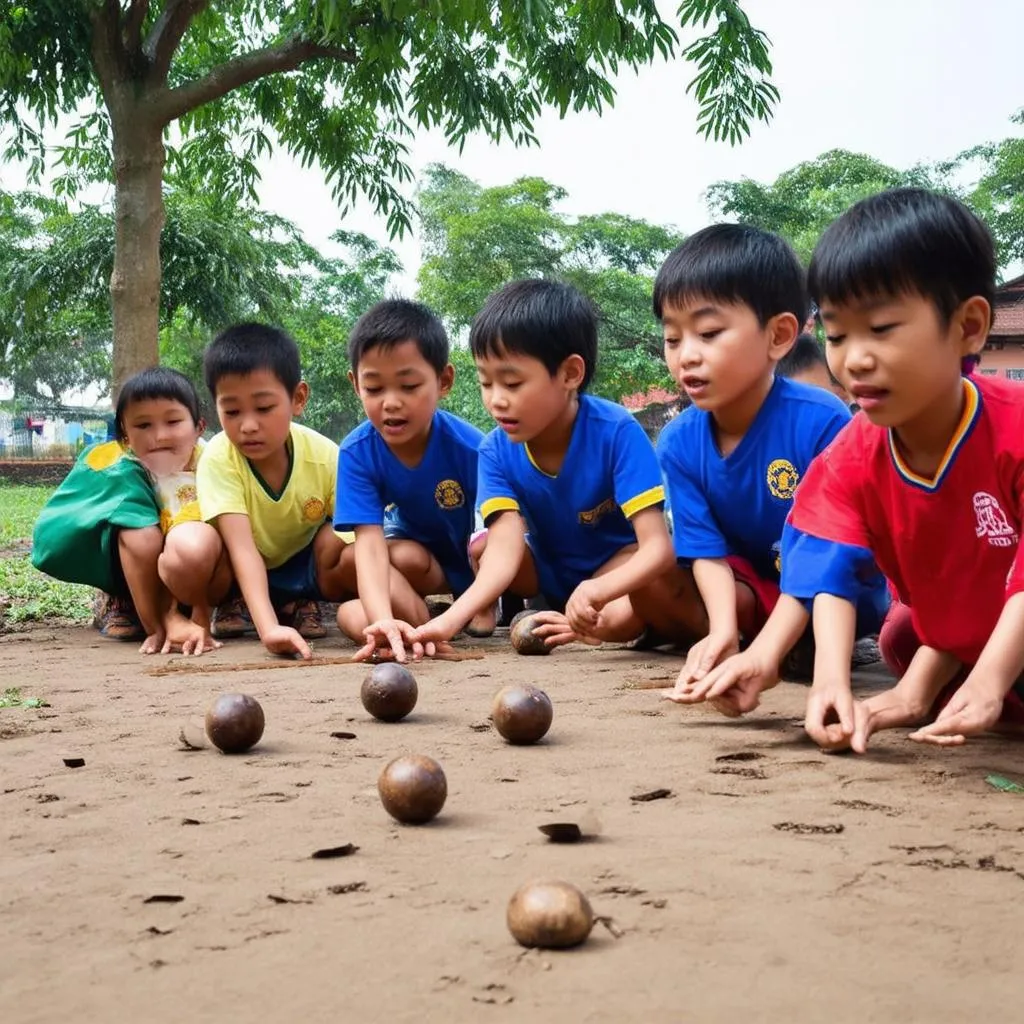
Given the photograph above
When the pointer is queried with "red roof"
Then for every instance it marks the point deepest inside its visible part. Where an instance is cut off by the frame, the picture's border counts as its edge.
(1008, 315)
(642, 399)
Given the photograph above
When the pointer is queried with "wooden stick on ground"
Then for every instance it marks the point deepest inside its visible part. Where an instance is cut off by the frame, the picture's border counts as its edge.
(192, 665)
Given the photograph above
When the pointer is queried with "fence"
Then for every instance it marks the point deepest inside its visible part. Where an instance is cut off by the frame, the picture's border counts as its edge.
(49, 436)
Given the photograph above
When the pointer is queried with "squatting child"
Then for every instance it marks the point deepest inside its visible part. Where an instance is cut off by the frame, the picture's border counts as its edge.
(267, 485)
(927, 483)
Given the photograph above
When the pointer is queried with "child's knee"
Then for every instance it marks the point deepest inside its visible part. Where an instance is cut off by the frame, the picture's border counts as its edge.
(410, 558)
(143, 544)
(191, 548)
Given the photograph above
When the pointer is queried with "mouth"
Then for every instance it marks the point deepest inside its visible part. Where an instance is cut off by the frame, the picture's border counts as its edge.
(868, 397)
(694, 385)
(394, 426)
(251, 446)
(509, 426)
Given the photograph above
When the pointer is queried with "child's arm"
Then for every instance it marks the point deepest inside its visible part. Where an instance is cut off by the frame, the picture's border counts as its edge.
(502, 558)
(251, 573)
(717, 587)
(977, 704)
(652, 557)
(829, 721)
(734, 685)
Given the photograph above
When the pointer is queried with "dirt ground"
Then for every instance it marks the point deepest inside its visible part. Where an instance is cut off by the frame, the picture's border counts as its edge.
(774, 883)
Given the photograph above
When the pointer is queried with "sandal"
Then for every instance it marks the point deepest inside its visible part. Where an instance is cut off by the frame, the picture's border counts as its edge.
(304, 618)
(231, 619)
(116, 618)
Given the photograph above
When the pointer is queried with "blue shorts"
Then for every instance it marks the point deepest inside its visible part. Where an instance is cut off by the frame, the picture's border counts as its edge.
(458, 574)
(295, 580)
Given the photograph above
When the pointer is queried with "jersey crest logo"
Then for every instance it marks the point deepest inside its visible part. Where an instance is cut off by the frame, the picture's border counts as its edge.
(591, 516)
(313, 510)
(449, 494)
(782, 478)
(992, 522)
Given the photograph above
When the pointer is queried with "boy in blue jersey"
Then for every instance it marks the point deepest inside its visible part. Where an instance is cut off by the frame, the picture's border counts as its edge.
(731, 300)
(578, 470)
(416, 463)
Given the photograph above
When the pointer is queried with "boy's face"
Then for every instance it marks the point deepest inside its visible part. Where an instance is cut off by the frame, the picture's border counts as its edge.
(400, 390)
(819, 377)
(256, 412)
(717, 352)
(896, 358)
(522, 396)
(162, 433)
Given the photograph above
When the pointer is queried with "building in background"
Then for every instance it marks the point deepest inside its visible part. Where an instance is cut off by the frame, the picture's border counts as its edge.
(1004, 352)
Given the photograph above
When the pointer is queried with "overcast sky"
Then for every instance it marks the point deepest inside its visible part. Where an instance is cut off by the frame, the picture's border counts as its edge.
(902, 80)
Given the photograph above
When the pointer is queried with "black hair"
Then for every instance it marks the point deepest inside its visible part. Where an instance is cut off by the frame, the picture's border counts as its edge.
(735, 264)
(544, 319)
(805, 354)
(393, 321)
(905, 240)
(156, 382)
(244, 348)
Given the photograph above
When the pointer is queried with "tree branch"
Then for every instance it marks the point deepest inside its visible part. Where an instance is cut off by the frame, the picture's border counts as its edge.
(166, 33)
(132, 31)
(241, 71)
(108, 55)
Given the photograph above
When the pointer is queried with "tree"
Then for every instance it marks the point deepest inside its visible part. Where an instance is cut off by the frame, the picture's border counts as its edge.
(342, 83)
(804, 200)
(476, 239)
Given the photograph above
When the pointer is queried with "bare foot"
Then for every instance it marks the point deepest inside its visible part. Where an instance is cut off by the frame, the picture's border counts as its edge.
(483, 623)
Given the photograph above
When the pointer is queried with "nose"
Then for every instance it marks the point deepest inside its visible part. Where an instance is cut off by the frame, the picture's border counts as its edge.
(857, 359)
(687, 353)
(392, 400)
(498, 397)
(249, 424)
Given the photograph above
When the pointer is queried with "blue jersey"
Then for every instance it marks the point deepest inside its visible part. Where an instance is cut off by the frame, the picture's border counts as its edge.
(579, 518)
(434, 502)
(737, 505)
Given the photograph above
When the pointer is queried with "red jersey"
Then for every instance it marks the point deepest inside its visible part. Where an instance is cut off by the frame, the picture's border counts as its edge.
(950, 545)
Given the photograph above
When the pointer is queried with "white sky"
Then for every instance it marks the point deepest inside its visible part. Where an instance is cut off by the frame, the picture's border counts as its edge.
(902, 80)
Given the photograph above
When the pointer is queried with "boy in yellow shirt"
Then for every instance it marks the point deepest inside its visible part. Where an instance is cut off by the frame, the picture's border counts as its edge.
(267, 485)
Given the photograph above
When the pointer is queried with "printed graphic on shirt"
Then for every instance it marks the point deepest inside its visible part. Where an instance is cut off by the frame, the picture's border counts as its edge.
(782, 479)
(449, 494)
(313, 510)
(992, 522)
(591, 516)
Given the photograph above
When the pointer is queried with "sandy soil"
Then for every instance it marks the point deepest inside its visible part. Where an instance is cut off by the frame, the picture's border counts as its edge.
(774, 883)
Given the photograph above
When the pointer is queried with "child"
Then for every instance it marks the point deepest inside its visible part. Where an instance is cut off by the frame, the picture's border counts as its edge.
(578, 469)
(928, 483)
(805, 362)
(267, 485)
(125, 520)
(731, 299)
(414, 461)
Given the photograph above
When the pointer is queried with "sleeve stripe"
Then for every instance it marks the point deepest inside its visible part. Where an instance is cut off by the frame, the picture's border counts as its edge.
(488, 508)
(645, 500)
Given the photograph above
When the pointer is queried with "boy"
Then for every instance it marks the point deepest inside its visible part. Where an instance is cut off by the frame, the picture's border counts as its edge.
(805, 362)
(267, 485)
(731, 299)
(578, 469)
(928, 483)
(414, 461)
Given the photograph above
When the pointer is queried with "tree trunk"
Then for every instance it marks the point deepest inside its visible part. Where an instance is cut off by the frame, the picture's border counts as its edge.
(138, 220)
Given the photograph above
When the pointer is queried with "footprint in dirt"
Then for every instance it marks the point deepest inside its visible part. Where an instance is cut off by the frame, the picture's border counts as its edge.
(801, 829)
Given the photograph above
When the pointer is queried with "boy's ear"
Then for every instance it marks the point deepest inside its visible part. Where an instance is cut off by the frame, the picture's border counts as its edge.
(299, 398)
(573, 370)
(200, 424)
(446, 379)
(971, 323)
(352, 380)
(783, 332)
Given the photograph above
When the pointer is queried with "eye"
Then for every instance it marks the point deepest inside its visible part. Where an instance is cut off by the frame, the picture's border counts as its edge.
(263, 409)
(229, 413)
(671, 342)
(373, 390)
(835, 339)
(410, 388)
(881, 329)
(712, 334)
(513, 385)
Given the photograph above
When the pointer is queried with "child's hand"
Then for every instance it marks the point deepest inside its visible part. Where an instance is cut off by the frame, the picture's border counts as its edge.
(555, 630)
(830, 719)
(584, 607)
(705, 654)
(433, 633)
(972, 709)
(191, 638)
(388, 637)
(887, 710)
(733, 687)
(285, 640)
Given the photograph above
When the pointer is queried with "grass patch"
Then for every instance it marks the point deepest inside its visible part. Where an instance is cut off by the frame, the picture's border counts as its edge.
(11, 698)
(22, 504)
(32, 596)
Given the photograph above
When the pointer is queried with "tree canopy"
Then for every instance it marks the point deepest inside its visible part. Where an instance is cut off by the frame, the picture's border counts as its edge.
(342, 84)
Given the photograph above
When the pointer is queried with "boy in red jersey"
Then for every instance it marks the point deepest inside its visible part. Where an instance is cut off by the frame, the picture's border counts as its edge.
(928, 483)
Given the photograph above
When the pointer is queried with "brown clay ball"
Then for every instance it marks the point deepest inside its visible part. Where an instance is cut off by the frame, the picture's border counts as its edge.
(522, 714)
(413, 789)
(389, 692)
(234, 722)
(523, 638)
(552, 915)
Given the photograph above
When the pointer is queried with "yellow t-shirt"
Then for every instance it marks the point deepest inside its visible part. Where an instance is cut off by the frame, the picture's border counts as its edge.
(283, 524)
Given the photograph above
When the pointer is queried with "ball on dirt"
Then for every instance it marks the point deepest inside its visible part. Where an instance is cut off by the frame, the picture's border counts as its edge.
(234, 722)
(521, 714)
(551, 915)
(413, 789)
(389, 692)
(524, 640)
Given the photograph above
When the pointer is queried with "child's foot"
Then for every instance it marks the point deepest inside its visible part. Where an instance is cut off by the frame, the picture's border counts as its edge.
(304, 618)
(115, 618)
(230, 619)
(483, 623)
